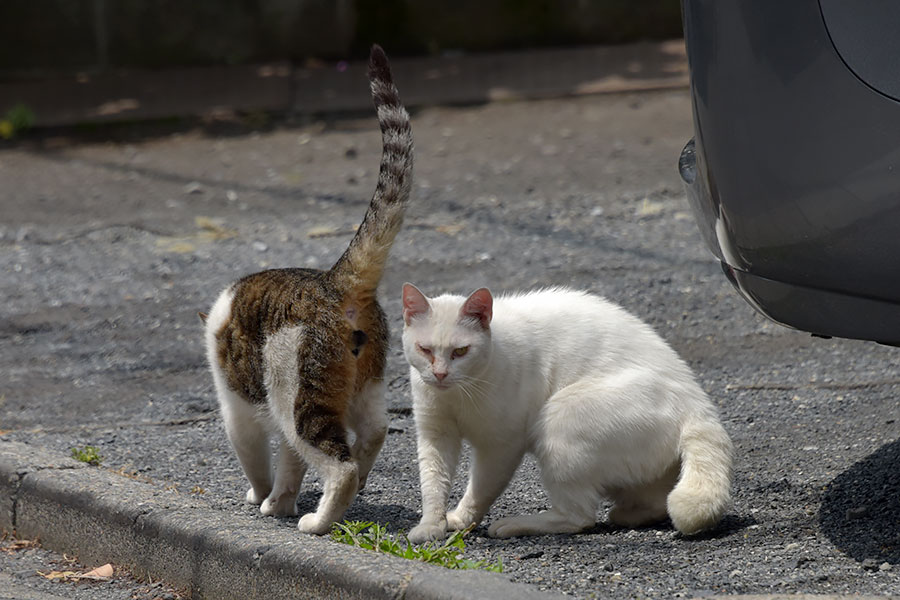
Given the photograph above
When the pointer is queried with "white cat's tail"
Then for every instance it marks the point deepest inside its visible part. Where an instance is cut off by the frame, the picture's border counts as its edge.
(703, 492)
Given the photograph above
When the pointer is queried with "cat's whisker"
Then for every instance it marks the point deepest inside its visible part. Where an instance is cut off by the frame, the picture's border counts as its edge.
(471, 399)
(473, 384)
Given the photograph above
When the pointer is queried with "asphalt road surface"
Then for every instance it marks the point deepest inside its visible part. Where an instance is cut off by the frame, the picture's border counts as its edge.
(108, 248)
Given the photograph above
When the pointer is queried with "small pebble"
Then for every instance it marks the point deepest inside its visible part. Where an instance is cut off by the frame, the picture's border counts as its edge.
(859, 512)
(193, 187)
(870, 564)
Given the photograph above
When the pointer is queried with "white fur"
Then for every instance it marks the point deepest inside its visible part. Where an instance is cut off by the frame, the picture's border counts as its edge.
(249, 429)
(605, 405)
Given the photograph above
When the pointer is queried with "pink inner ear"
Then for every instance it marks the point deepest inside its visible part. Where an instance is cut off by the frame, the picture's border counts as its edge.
(414, 303)
(480, 306)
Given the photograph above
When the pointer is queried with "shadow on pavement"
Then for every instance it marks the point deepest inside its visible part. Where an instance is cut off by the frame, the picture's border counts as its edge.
(860, 512)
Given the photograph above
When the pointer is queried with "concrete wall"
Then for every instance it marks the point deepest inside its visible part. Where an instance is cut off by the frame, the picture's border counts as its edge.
(66, 35)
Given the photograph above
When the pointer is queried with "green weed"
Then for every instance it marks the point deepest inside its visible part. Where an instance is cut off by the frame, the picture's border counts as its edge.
(17, 119)
(373, 536)
(88, 454)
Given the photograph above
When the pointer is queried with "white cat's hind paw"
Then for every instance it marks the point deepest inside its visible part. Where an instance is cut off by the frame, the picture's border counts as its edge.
(427, 532)
(285, 506)
(312, 523)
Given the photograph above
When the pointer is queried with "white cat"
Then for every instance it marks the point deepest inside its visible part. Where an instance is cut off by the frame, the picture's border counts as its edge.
(605, 405)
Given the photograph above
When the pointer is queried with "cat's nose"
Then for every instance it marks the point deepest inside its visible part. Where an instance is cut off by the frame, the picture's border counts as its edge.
(439, 376)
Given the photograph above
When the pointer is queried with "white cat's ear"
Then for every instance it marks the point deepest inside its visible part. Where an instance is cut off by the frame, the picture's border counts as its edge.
(414, 303)
(480, 306)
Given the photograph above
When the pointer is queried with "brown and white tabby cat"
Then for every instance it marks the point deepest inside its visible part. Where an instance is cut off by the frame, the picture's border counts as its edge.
(301, 352)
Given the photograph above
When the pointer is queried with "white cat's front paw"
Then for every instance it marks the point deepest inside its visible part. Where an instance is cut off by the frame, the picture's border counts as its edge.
(428, 532)
(311, 523)
(285, 506)
(253, 498)
(505, 528)
(459, 519)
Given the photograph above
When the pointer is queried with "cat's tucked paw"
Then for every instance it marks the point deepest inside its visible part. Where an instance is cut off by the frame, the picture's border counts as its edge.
(284, 506)
(253, 498)
(428, 532)
(458, 519)
(311, 523)
(506, 527)
(635, 516)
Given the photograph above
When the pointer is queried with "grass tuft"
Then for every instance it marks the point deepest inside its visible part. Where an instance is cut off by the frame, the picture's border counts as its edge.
(88, 454)
(17, 119)
(373, 536)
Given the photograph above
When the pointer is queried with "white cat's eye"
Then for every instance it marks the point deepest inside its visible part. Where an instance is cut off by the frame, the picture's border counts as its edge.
(423, 350)
(459, 352)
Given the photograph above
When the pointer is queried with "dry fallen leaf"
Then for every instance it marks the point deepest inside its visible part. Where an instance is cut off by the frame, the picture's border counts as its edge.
(57, 575)
(449, 229)
(214, 228)
(326, 231)
(98, 574)
(175, 245)
(17, 545)
(650, 208)
(104, 572)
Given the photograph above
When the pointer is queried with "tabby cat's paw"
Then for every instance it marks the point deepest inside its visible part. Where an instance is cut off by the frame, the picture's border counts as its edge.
(254, 498)
(428, 532)
(311, 523)
(285, 506)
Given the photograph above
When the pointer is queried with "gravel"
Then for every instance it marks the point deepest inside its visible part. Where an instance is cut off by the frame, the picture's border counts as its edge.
(29, 572)
(109, 248)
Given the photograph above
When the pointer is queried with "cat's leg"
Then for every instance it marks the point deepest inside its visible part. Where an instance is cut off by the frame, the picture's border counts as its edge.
(565, 449)
(320, 440)
(438, 451)
(243, 424)
(341, 478)
(573, 509)
(289, 472)
(250, 440)
(313, 425)
(491, 470)
(319, 437)
(642, 505)
(368, 419)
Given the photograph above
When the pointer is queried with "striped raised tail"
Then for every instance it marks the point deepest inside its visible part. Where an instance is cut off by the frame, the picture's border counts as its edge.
(359, 269)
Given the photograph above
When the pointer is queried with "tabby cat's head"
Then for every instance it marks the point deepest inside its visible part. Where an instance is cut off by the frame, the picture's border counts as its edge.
(447, 339)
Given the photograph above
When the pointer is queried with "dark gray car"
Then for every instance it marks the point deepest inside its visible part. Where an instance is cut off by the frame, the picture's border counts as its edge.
(794, 170)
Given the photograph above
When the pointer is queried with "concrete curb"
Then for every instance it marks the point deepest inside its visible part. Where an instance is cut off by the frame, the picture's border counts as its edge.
(101, 516)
